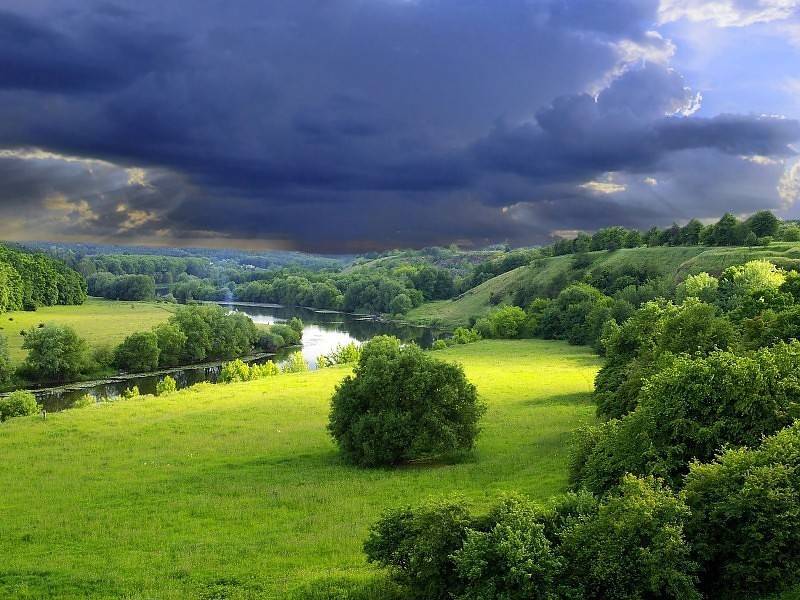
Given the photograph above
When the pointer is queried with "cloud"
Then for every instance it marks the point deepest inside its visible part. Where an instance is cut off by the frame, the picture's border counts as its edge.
(728, 13)
(355, 125)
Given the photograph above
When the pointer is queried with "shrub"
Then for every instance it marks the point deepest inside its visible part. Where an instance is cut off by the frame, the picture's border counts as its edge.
(462, 335)
(701, 286)
(633, 547)
(403, 404)
(269, 341)
(18, 404)
(745, 523)
(439, 344)
(693, 408)
(138, 353)
(416, 545)
(297, 325)
(103, 356)
(84, 401)
(130, 393)
(234, 371)
(267, 369)
(511, 559)
(55, 353)
(341, 355)
(295, 363)
(167, 385)
(506, 322)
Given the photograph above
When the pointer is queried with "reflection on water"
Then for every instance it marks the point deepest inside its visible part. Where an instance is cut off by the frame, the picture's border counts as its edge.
(322, 332)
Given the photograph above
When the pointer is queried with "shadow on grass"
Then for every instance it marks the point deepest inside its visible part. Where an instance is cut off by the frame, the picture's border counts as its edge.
(576, 399)
(350, 588)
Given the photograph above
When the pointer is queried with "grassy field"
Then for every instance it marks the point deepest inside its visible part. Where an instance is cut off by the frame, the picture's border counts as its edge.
(98, 321)
(676, 261)
(237, 491)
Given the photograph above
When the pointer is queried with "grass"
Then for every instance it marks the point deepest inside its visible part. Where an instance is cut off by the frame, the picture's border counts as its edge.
(676, 261)
(238, 492)
(100, 322)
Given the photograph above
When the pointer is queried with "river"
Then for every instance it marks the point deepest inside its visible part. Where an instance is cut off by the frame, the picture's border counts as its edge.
(322, 332)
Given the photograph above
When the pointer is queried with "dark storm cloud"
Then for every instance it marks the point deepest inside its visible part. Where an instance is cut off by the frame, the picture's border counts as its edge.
(103, 54)
(355, 124)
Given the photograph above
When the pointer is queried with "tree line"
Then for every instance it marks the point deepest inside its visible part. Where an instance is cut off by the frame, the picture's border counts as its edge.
(32, 279)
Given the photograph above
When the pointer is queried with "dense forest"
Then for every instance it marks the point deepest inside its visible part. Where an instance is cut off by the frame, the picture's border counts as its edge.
(32, 279)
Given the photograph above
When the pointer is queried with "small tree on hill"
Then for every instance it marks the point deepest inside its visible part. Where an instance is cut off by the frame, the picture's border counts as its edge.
(401, 405)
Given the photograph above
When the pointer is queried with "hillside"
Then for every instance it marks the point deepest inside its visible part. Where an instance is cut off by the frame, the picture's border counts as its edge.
(676, 262)
(236, 491)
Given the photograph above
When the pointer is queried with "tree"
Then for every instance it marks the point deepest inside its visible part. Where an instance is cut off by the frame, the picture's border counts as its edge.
(691, 409)
(55, 353)
(634, 547)
(417, 545)
(167, 385)
(763, 223)
(138, 353)
(6, 369)
(400, 305)
(171, 341)
(702, 286)
(18, 404)
(401, 405)
(510, 558)
(745, 522)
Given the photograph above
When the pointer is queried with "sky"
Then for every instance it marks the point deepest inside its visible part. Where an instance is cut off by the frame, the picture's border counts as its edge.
(341, 126)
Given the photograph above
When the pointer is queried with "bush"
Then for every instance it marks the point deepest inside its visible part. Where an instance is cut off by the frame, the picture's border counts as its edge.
(634, 547)
(745, 523)
(511, 559)
(55, 353)
(84, 401)
(416, 545)
(505, 322)
(462, 335)
(130, 393)
(138, 353)
(403, 404)
(295, 363)
(693, 408)
(267, 369)
(167, 385)
(234, 371)
(343, 354)
(18, 404)
(440, 344)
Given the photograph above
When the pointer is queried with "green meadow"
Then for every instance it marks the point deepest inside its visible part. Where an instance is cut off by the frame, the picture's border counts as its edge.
(237, 491)
(100, 322)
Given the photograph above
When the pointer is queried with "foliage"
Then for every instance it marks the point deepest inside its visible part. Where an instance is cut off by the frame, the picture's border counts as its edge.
(238, 370)
(212, 333)
(171, 341)
(510, 558)
(296, 363)
(343, 354)
(138, 353)
(6, 369)
(121, 287)
(401, 405)
(18, 404)
(55, 353)
(84, 401)
(130, 393)
(417, 544)
(691, 409)
(634, 547)
(745, 517)
(463, 335)
(504, 323)
(167, 385)
(32, 279)
(702, 286)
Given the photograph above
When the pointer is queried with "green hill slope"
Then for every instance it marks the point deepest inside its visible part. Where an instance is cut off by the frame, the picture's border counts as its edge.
(544, 273)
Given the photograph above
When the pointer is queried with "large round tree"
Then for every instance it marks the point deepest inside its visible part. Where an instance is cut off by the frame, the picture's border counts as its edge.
(403, 405)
